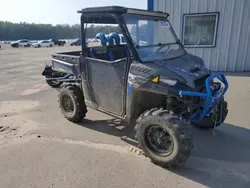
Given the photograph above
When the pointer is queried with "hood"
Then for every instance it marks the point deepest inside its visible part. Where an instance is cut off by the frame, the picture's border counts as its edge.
(188, 66)
(188, 69)
(185, 65)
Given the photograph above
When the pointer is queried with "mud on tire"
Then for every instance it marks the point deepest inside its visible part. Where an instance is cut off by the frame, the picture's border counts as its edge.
(72, 104)
(178, 132)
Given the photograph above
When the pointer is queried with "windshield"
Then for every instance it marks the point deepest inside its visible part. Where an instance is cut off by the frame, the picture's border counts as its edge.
(153, 38)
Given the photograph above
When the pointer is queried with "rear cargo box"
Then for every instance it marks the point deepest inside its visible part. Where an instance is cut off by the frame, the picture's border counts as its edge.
(67, 62)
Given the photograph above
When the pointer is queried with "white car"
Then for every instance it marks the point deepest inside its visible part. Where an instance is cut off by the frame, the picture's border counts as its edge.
(23, 42)
(44, 43)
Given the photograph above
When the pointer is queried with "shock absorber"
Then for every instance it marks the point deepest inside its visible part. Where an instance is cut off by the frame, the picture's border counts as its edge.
(169, 100)
(174, 105)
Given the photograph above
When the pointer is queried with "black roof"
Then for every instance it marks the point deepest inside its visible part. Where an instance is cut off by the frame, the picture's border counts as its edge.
(106, 9)
(121, 10)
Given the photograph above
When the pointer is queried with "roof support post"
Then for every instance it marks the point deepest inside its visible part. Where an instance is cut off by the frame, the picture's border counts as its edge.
(150, 5)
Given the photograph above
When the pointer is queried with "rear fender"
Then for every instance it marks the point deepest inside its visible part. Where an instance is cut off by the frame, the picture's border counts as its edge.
(47, 71)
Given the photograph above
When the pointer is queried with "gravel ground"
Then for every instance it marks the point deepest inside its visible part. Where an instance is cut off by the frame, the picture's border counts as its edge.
(39, 148)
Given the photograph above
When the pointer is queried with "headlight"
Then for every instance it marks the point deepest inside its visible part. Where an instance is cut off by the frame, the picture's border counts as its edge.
(164, 80)
(168, 81)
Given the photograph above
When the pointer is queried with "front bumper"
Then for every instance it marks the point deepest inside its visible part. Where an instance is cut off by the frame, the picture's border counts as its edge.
(211, 96)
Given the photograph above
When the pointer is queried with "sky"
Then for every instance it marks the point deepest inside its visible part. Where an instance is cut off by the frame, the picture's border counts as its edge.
(55, 11)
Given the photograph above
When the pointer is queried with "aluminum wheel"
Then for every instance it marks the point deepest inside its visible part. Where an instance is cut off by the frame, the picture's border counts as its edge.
(158, 140)
(68, 104)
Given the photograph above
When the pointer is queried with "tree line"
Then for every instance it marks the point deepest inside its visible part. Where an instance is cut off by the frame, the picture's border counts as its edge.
(16, 31)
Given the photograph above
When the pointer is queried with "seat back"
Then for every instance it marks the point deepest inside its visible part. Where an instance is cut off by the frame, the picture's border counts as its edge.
(101, 53)
(118, 52)
(113, 38)
(109, 53)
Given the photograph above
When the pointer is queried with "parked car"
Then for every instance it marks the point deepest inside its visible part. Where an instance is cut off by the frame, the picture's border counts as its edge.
(58, 42)
(22, 42)
(76, 42)
(43, 43)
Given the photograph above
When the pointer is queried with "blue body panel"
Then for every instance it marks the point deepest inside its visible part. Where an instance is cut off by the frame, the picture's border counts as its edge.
(210, 100)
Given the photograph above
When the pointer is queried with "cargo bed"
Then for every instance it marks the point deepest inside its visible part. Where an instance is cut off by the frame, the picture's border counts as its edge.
(67, 62)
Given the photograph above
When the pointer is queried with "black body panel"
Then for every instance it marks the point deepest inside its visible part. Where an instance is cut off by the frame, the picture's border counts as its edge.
(105, 9)
(121, 10)
(49, 72)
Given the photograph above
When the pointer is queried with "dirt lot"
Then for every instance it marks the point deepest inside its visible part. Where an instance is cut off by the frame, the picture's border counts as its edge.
(39, 148)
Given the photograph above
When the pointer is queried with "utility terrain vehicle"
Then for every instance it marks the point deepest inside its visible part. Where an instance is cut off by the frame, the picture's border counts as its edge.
(149, 79)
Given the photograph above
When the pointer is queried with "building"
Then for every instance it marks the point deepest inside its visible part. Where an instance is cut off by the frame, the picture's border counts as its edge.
(216, 30)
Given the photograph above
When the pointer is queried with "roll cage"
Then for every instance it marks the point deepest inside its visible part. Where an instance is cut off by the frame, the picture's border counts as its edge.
(113, 15)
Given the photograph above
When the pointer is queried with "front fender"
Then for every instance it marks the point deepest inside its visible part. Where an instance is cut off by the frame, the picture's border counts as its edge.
(143, 96)
(158, 88)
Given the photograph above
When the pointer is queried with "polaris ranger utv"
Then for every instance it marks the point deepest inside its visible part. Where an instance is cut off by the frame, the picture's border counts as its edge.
(149, 79)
